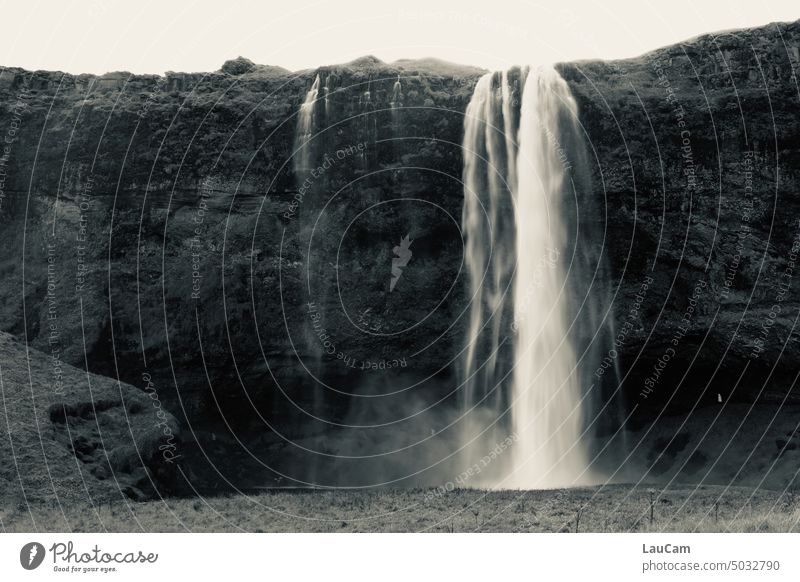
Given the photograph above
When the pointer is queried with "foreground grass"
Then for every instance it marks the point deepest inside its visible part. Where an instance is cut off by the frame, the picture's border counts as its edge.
(617, 508)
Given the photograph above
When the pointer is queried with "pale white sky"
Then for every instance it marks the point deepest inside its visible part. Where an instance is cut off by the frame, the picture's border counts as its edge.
(153, 36)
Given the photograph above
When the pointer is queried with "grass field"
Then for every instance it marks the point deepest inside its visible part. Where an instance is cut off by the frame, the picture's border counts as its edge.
(616, 508)
(51, 465)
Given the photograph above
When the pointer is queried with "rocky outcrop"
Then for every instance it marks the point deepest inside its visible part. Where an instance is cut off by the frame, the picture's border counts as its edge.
(160, 226)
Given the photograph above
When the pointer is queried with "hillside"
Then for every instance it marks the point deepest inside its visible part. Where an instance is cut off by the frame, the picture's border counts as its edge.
(70, 437)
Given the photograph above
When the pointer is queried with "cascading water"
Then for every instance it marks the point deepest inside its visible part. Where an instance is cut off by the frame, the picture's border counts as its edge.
(395, 102)
(546, 396)
(489, 225)
(521, 138)
(305, 160)
(304, 132)
(327, 90)
(370, 125)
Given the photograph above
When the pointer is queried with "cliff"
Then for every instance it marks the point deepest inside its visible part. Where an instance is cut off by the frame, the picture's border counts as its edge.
(159, 225)
(696, 149)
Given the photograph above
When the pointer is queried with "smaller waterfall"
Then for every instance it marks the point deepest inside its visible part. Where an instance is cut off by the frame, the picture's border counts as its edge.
(327, 91)
(370, 126)
(305, 130)
(304, 161)
(395, 103)
(397, 93)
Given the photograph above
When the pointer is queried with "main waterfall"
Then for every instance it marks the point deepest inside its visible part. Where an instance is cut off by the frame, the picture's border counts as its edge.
(535, 320)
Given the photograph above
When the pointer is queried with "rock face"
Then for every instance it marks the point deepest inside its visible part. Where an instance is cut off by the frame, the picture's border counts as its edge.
(151, 232)
(69, 436)
(697, 162)
(164, 228)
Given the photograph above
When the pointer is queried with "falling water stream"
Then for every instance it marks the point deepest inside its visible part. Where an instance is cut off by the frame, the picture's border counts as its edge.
(304, 132)
(519, 142)
(546, 395)
(395, 103)
(304, 161)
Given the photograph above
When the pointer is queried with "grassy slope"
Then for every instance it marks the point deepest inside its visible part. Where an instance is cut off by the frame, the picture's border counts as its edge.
(615, 508)
(87, 442)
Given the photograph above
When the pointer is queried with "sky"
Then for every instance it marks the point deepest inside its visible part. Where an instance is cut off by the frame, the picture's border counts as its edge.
(154, 36)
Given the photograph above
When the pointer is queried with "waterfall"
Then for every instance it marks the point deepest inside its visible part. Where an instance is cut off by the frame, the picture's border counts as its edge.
(306, 158)
(370, 127)
(546, 394)
(327, 90)
(395, 103)
(397, 93)
(531, 334)
(303, 158)
(489, 227)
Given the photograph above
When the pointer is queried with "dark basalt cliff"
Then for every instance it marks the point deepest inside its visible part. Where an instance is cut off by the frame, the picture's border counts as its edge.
(698, 160)
(157, 226)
